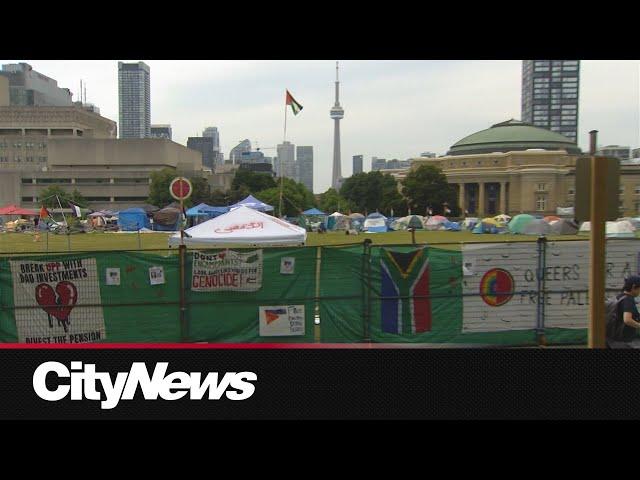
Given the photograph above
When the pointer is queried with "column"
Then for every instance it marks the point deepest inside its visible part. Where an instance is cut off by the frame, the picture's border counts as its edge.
(481, 206)
(461, 198)
(503, 197)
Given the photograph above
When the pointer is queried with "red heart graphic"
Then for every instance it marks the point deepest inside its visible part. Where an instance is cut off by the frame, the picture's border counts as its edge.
(67, 298)
(46, 298)
(60, 305)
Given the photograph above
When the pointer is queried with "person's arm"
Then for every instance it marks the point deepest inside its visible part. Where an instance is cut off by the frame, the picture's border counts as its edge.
(628, 320)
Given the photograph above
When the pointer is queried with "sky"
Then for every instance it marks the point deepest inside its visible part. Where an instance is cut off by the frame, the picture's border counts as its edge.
(393, 108)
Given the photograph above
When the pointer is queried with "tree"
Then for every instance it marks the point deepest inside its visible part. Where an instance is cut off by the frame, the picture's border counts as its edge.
(159, 189)
(296, 198)
(49, 194)
(331, 201)
(373, 191)
(218, 198)
(201, 191)
(253, 181)
(427, 187)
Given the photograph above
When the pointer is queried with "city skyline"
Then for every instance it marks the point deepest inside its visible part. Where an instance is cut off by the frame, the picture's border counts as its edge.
(397, 109)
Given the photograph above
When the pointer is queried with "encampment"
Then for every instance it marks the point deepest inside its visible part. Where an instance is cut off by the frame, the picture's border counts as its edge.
(167, 219)
(242, 225)
(622, 229)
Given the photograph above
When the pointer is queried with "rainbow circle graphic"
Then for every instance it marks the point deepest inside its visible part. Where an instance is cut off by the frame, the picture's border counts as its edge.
(496, 287)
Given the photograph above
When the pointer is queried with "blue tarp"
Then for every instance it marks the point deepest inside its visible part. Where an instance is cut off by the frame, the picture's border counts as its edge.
(253, 202)
(133, 219)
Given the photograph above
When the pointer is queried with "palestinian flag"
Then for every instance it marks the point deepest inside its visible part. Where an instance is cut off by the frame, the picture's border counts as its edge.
(75, 209)
(295, 106)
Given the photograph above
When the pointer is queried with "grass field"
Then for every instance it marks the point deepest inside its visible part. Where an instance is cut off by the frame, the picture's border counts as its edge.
(24, 242)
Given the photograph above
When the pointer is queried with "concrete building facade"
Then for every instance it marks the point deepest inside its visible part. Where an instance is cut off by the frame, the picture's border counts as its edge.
(551, 94)
(108, 172)
(29, 88)
(304, 164)
(134, 97)
(357, 164)
(204, 145)
(517, 168)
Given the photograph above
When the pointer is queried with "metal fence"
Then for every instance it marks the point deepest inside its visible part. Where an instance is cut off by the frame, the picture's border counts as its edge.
(519, 293)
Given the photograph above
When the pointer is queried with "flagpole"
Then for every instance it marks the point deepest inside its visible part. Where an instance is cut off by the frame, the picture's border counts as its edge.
(280, 159)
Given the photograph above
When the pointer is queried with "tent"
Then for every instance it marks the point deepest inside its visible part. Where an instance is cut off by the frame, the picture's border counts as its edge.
(338, 221)
(167, 219)
(633, 221)
(356, 216)
(149, 209)
(313, 211)
(622, 229)
(133, 219)
(470, 222)
(375, 223)
(502, 218)
(435, 222)
(536, 227)
(518, 222)
(551, 218)
(15, 210)
(564, 227)
(252, 202)
(485, 227)
(242, 225)
(451, 226)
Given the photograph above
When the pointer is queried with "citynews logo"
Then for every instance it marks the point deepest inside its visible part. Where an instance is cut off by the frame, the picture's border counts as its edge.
(174, 386)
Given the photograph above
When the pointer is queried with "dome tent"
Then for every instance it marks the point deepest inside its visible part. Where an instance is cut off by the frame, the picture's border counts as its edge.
(133, 219)
(517, 223)
(375, 223)
(564, 227)
(536, 227)
(622, 229)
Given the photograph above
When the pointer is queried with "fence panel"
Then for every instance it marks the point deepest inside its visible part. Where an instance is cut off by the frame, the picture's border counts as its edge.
(343, 304)
(251, 295)
(567, 284)
(89, 297)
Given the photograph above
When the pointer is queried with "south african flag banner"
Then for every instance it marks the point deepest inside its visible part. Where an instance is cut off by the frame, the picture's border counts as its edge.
(405, 302)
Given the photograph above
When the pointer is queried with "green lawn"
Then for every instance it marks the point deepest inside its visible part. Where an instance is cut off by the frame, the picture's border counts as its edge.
(24, 242)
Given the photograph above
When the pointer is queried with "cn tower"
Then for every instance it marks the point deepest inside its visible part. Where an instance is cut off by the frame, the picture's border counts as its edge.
(337, 113)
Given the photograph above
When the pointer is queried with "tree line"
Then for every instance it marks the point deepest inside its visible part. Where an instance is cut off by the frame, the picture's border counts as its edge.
(423, 190)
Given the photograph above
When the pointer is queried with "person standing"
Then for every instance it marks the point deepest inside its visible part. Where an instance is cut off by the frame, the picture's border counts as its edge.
(628, 316)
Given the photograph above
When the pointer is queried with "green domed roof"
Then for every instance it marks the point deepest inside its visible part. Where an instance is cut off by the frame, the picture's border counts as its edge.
(512, 135)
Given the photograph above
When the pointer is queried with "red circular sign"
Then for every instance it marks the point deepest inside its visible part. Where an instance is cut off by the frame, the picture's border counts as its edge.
(496, 287)
(180, 188)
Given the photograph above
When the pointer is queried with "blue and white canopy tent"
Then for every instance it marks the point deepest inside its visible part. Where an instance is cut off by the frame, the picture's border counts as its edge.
(204, 212)
(252, 202)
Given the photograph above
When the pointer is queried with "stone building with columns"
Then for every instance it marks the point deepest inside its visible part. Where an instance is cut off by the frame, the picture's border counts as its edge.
(514, 167)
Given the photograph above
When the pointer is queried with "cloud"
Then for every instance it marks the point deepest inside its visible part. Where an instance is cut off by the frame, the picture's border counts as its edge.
(393, 109)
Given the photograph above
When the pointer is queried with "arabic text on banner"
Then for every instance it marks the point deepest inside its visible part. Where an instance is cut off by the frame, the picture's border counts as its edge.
(227, 270)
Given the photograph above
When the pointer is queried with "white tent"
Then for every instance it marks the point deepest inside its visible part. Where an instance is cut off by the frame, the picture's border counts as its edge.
(622, 229)
(242, 225)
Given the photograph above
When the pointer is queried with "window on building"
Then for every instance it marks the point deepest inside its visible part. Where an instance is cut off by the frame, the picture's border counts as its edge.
(571, 190)
(541, 203)
(27, 180)
(569, 95)
(637, 191)
(621, 191)
(29, 159)
(17, 159)
(27, 199)
(570, 63)
(542, 187)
